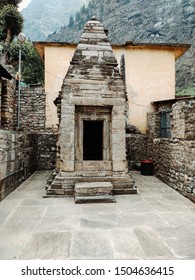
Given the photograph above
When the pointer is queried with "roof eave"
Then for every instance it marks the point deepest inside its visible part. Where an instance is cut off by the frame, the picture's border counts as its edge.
(178, 49)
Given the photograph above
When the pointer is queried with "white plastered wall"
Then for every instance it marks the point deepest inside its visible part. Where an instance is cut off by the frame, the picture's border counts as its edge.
(150, 76)
(57, 61)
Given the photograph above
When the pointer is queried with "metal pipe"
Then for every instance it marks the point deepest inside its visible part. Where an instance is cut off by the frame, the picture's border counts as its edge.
(19, 79)
(21, 40)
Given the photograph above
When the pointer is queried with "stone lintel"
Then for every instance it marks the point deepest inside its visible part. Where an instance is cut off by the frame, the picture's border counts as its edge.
(93, 165)
(96, 101)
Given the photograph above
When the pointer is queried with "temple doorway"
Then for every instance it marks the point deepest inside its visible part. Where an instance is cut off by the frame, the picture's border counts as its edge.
(92, 140)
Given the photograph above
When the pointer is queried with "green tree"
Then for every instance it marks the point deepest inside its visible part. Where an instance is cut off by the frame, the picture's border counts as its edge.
(71, 21)
(32, 65)
(78, 16)
(11, 23)
(83, 9)
(9, 2)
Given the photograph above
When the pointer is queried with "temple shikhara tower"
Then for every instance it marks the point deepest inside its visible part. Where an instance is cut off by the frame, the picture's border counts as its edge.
(91, 161)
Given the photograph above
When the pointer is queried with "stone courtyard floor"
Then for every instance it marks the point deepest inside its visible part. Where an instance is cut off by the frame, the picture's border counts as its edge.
(158, 223)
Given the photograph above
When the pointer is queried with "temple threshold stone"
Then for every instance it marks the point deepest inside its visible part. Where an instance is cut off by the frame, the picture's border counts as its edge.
(95, 192)
(95, 188)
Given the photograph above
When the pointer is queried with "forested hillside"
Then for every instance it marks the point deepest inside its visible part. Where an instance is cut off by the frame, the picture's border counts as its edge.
(43, 17)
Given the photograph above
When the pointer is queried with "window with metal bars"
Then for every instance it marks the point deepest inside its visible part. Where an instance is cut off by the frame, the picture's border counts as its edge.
(165, 124)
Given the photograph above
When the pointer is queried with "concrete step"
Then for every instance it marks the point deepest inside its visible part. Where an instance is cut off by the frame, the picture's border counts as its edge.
(93, 188)
(94, 199)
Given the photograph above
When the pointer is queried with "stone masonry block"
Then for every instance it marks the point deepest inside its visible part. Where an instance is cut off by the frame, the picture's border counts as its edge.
(118, 124)
(67, 166)
(118, 137)
(119, 166)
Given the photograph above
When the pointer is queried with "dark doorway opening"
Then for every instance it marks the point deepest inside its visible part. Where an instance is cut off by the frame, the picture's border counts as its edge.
(92, 140)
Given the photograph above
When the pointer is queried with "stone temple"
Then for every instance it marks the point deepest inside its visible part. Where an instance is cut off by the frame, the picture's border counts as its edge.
(91, 160)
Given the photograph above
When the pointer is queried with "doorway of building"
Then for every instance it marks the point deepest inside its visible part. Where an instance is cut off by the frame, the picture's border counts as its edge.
(92, 140)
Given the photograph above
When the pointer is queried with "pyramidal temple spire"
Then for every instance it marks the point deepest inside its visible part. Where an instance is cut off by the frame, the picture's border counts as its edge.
(94, 45)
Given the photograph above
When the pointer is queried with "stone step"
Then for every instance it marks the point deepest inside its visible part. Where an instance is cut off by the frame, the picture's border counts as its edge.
(93, 188)
(55, 192)
(55, 186)
(65, 192)
(72, 180)
(54, 196)
(121, 191)
(94, 199)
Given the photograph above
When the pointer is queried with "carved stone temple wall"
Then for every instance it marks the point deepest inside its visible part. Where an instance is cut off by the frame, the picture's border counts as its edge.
(91, 110)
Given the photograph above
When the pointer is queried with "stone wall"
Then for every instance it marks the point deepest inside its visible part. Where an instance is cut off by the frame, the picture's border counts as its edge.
(174, 158)
(17, 159)
(8, 104)
(32, 108)
(46, 150)
(0, 97)
(183, 120)
(136, 145)
(31, 147)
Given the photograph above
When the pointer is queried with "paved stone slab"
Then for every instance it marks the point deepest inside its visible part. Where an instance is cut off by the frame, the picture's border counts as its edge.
(134, 206)
(126, 244)
(31, 185)
(58, 223)
(146, 226)
(142, 219)
(91, 209)
(62, 210)
(12, 252)
(4, 215)
(152, 244)
(182, 219)
(101, 221)
(160, 205)
(46, 246)
(36, 201)
(19, 226)
(90, 244)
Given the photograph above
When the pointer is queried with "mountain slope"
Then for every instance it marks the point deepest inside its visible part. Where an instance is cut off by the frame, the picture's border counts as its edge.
(162, 21)
(43, 17)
